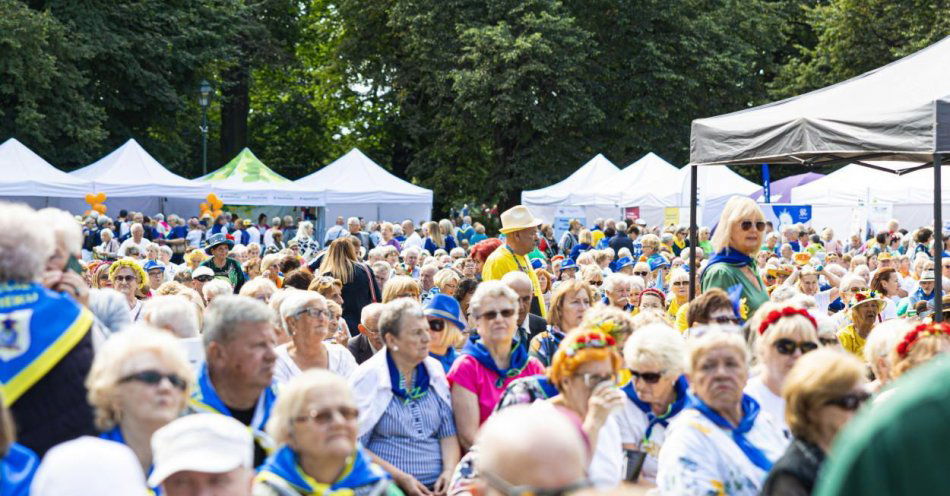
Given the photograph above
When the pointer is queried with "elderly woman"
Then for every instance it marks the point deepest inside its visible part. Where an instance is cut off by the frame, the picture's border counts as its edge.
(617, 292)
(490, 360)
(259, 288)
(585, 241)
(109, 247)
(592, 275)
(782, 336)
(314, 423)
(328, 287)
(270, 269)
(738, 237)
(130, 280)
(100, 276)
(919, 345)
(568, 304)
(880, 343)
(651, 299)
(359, 286)
(387, 238)
(722, 439)
(382, 271)
(446, 323)
(305, 318)
(406, 420)
(823, 391)
(656, 358)
(679, 291)
(179, 315)
(401, 287)
(711, 307)
(138, 383)
(864, 308)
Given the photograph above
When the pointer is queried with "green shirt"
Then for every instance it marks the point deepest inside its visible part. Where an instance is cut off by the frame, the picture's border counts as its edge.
(725, 276)
(898, 446)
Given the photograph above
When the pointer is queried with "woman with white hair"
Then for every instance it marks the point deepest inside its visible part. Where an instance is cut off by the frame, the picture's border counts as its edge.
(657, 391)
(139, 382)
(877, 350)
(306, 242)
(215, 288)
(108, 248)
(305, 317)
(179, 316)
(738, 237)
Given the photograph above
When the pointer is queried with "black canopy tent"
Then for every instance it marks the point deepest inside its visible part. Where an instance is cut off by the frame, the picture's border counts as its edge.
(896, 113)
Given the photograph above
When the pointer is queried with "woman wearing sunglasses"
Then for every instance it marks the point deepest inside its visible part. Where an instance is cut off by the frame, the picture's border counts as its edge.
(656, 358)
(738, 237)
(139, 381)
(721, 441)
(130, 280)
(314, 423)
(305, 318)
(490, 360)
(446, 323)
(568, 304)
(823, 391)
(783, 334)
(678, 295)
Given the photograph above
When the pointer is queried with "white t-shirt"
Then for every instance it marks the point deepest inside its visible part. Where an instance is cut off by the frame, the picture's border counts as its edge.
(253, 235)
(340, 362)
(633, 424)
(822, 301)
(769, 401)
(606, 466)
(194, 238)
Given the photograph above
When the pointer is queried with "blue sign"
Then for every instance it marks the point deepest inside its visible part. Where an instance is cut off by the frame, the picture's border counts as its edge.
(766, 184)
(792, 214)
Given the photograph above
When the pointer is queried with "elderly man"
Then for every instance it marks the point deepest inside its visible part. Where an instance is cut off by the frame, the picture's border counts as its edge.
(622, 240)
(202, 455)
(355, 229)
(520, 228)
(237, 378)
(410, 257)
(412, 238)
(427, 277)
(369, 341)
(136, 239)
(334, 232)
(529, 324)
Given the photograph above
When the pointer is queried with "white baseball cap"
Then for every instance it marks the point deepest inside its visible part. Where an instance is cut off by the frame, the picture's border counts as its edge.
(89, 465)
(203, 442)
(202, 271)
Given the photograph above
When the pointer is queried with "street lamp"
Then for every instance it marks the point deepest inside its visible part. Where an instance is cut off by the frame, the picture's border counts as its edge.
(204, 99)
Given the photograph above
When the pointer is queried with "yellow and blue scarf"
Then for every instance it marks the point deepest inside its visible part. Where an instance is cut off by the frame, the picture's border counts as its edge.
(283, 466)
(517, 360)
(205, 398)
(419, 388)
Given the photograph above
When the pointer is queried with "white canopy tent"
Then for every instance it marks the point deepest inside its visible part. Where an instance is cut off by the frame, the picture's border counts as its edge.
(245, 180)
(583, 188)
(715, 185)
(355, 186)
(27, 178)
(650, 184)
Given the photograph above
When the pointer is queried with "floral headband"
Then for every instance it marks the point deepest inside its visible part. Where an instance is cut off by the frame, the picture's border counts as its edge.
(594, 340)
(608, 327)
(861, 296)
(776, 315)
(652, 291)
(933, 329)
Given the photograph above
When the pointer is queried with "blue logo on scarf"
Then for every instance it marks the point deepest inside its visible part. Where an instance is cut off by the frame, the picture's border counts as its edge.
(517, 360)
(750, 410)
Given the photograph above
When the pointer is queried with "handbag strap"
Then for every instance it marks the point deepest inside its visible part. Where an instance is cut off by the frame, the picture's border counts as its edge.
(369, 276)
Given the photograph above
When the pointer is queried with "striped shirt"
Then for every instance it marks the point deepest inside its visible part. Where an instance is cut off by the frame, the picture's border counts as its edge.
(408, 434)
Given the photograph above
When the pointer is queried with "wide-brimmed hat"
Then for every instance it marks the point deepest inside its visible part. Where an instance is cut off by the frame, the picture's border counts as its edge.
(443, 306)
(215, 240)
(568, 264)
(863, 297)
(517, 218)
(927, 276)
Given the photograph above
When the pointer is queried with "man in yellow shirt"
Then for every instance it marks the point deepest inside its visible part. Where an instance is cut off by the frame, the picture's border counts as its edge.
(520, 228)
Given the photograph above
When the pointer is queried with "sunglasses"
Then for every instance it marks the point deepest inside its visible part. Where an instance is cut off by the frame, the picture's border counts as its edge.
(203, 278)
(492, 314)
(325, 416)
(786, 346)
(722, 319)
(154, 378)
(596, 283)
(125, 278)
(850, 401)
(747, 225)
(828, 341)
(641, 274)
(647, 377)
(437, 325)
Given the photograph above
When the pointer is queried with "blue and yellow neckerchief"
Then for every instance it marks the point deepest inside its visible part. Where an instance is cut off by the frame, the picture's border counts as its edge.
(517, 359)
(115, 435)
(17, 469)
(205, 398)
(38, 327)
(750, 410)
(681, 401)
(419, 388)
(730, 257)
(283, 467)
(447, 359)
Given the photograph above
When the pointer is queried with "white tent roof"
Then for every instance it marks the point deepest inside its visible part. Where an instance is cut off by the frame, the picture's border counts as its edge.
(716, 184)
(129, 171)
(897, 112)
(650, 181)
(355, 178)
(854, 183)
(580, 188)
(25, 173)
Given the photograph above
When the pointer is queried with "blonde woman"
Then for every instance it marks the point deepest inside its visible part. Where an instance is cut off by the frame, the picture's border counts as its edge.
(446, 323)
(401, 287)
(194, 258)
(435, 239)
(919, 345)
(739, 236)
(585, 241)
(359, 285)
(130, 280)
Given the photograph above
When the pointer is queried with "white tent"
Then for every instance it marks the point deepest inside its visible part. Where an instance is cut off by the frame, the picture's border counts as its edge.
(716, 184)
(27, 178)
(650, 184)
(583, 188)
(355, 186)
(245, 180)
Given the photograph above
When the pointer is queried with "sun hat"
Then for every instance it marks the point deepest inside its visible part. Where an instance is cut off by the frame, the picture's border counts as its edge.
(204, 442)
(927, 276)
(568, 264)
(89, 465)
(517, 218)
(862, 297)
(202, 271)
(216, 240)
(152, 264)
(443, 306)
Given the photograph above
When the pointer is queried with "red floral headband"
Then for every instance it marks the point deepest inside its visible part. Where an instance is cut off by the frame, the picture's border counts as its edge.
(652, 291)
(591, 340)
(776, 315)
(920, 331)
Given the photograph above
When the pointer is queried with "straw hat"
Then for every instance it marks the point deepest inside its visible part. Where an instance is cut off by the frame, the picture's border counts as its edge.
(862, 297)
(517, 218)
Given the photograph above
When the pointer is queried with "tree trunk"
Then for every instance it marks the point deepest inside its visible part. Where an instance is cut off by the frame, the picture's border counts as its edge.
(235, 105)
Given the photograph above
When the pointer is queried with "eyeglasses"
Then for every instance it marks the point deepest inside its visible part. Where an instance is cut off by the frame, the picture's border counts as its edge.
(154, 378)
(723, 319)
(641, 274)
(507, 489)
(855, 290)
(591, 380)
(850, 401)
(437, 325)
(786, 346)
(747, 225)
(492, 314)
(313, 312)
(125, 278)
(203, 278)
(647, 377)
(680, 283)
(828, 341)
(325, 416)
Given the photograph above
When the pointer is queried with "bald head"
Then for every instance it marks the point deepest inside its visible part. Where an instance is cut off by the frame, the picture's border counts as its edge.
(528, 445)
(520, 283)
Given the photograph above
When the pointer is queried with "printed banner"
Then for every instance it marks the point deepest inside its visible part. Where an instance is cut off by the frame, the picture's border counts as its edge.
(631, 213)
(671, 216)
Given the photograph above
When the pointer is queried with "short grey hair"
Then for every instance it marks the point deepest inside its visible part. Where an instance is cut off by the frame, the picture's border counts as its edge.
(64, 226)
(621, 226)
(615, 279)
(173, 313)
(226, 312)
(657, 343)
(25, 245)
(370, 311)
(637, 282)
(491, 289)
(103, 220)
(516, 276)
(391, 317)
(294, 303)
(216, 288)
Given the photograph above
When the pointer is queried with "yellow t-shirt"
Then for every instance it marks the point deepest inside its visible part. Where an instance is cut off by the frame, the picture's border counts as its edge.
(597, 236)
(681, 323)
(503, 261)
(851, 341)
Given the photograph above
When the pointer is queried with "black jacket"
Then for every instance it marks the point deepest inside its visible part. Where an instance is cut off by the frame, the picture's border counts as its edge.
(536, 325)
(796, 471)
(621, 240)
(360, 348)
(357, 294)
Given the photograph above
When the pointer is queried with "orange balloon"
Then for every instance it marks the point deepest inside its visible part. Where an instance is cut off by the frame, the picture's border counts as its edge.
(212, 198)
(100, 208)
(90, 198)
(204, 206)
(217, 213)
(100, 197)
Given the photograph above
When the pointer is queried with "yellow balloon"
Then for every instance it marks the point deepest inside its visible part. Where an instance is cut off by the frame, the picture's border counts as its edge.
(90, 198)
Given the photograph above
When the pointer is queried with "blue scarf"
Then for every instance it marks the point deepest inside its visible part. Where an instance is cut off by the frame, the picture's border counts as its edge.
(419, 388)
(677, 406)
(731, 257)
(205, 398)
(359, 472)
(115, 435)
(626, 308)
(919, 295)
(16, 470)
(549, 345)
(517, 359)
(447, 359)
(750, 410)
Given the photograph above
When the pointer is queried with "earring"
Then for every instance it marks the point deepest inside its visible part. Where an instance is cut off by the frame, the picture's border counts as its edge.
(395, 348)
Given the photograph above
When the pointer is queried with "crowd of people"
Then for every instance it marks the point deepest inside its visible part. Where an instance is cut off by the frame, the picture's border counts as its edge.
(244, 357)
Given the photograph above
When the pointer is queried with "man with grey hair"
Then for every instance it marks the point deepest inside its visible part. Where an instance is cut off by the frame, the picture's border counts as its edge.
(237, 377)
(355, 229)
(529, 324)
(137, 239)
(368, 341)
(334, 232)
(621, 240)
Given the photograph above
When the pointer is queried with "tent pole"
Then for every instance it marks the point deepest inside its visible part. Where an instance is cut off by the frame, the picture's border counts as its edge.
(938, 240)
(693, 238)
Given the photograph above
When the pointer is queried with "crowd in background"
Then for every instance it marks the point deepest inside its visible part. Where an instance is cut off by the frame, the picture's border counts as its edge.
(234, 356)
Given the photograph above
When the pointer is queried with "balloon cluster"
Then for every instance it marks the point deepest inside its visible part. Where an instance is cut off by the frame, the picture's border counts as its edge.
(212, 207)
(96, 203)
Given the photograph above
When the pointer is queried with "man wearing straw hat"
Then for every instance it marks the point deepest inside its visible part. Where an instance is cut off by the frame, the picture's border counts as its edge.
(520, 228)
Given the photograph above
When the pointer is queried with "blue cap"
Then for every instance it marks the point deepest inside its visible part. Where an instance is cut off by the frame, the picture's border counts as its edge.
(152, 264)
(657, 262)
(568, 263)
(623, 262)
(445, 307)
(537, 263)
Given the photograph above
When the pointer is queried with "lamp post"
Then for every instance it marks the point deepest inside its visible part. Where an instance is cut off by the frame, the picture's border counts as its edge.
(204, 99)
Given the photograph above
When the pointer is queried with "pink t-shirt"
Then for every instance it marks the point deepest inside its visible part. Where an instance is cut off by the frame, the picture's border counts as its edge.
(471, 375)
